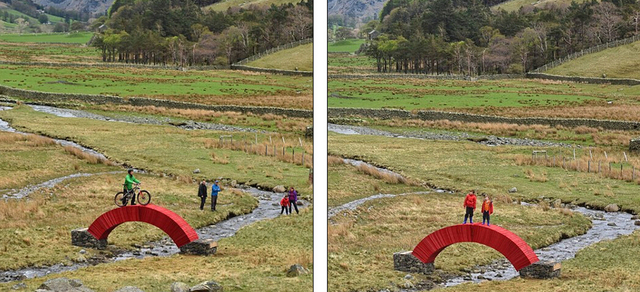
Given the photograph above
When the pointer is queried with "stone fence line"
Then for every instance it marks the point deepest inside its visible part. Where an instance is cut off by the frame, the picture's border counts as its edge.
(426, 76)
(114, 65)
(430, 115)
(591, 80)
(51, 98)
(272, 71)
(587, 51)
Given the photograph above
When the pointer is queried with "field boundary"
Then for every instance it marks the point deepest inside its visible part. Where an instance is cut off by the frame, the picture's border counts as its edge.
(430, 115)
(587, 51)
(578, 79)
(114, 65)
(46, 98)
(425, 76)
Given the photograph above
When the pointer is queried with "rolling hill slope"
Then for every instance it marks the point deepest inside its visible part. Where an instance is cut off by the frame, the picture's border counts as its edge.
(618, 62)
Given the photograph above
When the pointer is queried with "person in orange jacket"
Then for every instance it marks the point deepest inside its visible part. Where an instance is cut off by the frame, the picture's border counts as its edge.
(470, 206)
(487, 208)
(285, 204)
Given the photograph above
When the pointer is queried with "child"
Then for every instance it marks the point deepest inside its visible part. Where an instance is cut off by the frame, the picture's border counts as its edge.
(487, 208)
(285, 204)
(470, 206)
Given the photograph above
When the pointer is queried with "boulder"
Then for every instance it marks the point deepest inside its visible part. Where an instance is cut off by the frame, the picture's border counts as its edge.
(513, 190)
(279, 189)
(611, 224)
(208, 286)
(635, 217)
(19, 286)
(542, 270)
(197, 170)
(612, 208)
(406, 262)
(180, 287)
(296, 270)
(299, 203)
(200, 247)
(81, 237)
(129, 289)
(64, 285)
(637, 223)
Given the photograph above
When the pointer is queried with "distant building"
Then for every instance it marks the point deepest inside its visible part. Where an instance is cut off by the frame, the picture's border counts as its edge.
(373, 34)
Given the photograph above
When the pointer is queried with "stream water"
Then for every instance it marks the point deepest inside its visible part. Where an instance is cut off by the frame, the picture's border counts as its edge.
(268, 208)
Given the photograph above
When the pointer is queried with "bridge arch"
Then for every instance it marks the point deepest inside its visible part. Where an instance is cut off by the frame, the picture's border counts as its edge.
(514, 248)
(171, 223)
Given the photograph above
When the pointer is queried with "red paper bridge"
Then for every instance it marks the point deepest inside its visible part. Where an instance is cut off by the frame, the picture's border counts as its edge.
(173, 225)
(516, 250)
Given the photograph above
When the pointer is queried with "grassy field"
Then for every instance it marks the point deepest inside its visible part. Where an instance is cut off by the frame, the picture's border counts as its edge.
(41, 52)
(300, 57)
(36, 232)
(512, 97)
(349, 45)
(267, 122)
(346, 64)
(208, 87)
(604, 62)
(362, 243)
(65, 38)
(514, 5)
(164, 149)
(226, 4)
(464, 165)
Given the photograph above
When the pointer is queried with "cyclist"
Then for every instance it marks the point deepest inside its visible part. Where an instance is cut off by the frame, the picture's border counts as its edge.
(129, 180)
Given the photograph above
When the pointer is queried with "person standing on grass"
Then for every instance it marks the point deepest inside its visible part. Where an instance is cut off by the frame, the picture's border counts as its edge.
(470, 206)
(202, 193)
(129, 180)
(215, 188)
(293, 198)
(487, 208)
(285, 204)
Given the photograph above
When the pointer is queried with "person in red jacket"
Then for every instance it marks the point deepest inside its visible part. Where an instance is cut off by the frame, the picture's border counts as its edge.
(470, 206)
(285, 204)
(487, 208)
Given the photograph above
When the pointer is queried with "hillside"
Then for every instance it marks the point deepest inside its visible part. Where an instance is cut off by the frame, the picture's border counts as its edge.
(226, 4)
(92, 6)
(300, 57)
(514, 5)
(361, 10)
(607, 62)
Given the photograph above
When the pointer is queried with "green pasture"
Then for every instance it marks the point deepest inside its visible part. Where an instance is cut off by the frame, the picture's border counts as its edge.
(348, 45)
(346, 64)
(515, 5)
(226, 4)
(67, 38)
(164, 149)
(300, 57)
(52, 18)
(48, 53)
(412, 94)
(466, 165)
(208, 87)
(607, 62)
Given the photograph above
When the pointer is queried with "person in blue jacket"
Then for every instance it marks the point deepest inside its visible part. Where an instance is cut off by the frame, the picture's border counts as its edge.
(215, 188)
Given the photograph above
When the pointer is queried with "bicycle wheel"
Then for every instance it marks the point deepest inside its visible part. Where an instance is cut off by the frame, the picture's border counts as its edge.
(119, 200)
(144, 197)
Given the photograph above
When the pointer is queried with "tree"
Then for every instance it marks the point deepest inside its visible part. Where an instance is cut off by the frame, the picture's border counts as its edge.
(43, 18)
(21, 24)
(608, 20)
(344, 33)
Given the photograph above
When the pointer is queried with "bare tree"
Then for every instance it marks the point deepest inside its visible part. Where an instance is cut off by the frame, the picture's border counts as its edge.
(607, 22)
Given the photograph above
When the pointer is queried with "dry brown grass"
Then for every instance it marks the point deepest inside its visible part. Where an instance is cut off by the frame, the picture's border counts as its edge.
(334, 160)
(86, 156)
(32, 140)
(385, 176)
(219, 160)
(594, 110)
(282, 152)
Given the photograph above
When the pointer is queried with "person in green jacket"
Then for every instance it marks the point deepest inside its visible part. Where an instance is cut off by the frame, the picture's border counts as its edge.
(129, 180)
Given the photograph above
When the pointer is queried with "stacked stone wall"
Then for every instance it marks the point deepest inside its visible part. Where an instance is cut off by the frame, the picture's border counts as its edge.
(386, 114)
(52, 98)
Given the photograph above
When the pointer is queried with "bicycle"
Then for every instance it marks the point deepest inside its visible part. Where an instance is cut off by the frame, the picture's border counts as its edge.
(143, 197)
